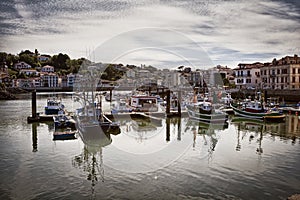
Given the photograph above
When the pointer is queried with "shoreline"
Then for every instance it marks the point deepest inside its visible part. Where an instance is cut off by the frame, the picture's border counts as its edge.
(15, 93)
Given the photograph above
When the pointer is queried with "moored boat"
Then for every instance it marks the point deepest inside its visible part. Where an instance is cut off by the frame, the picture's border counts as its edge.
(121, 107)
(204, 111)
(62, 121)
(53, 106)
(255, 110)
(144, 103)
(64, 135)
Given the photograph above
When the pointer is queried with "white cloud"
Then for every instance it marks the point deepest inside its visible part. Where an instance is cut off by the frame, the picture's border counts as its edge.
(230, 31)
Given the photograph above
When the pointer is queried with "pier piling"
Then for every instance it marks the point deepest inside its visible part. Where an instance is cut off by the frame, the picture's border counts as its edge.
(168, 102)
(33, 104)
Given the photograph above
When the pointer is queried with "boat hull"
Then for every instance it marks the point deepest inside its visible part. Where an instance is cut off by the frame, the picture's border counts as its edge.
(214, 117)
(261, 116)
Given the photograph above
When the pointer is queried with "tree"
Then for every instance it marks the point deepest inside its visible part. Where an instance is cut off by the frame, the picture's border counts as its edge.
(59, 61)
(28, 59)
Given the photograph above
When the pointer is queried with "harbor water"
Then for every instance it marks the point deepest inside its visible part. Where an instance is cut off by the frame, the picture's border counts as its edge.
(173, 158)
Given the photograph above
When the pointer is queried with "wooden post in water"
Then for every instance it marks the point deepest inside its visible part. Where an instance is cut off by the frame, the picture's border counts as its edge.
(34, 137)
(168, 129)
(110, 95)
(33, 104)
(179, 129)
(168, 102)
(179, 103)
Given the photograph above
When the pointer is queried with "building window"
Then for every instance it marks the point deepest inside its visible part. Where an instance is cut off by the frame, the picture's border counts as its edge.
(294, 70)
(293, 79)
(284, 71)
(282, 80)
(265, 72)
(278, 71)
(273, 71)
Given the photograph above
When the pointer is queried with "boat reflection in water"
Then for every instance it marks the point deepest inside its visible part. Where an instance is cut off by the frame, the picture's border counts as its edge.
(208, 133)
(256, 129)
(91, 158)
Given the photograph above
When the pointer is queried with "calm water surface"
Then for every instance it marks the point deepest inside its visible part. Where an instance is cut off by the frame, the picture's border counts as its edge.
(167, 159)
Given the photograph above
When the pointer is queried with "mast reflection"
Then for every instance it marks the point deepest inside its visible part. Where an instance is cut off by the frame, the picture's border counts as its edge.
(91, 158)
(255, 129)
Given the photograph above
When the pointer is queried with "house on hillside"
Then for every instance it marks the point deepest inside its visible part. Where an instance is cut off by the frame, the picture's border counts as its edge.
(22, 65)
(29, 72)
(47, 69)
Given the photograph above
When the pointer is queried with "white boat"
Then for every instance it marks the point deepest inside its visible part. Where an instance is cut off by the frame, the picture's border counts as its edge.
(204, 111)
(121, 107)
(143, 103)
(62, 121)
(53, 106)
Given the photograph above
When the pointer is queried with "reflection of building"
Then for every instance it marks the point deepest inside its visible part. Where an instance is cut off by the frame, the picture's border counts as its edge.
(293, 125)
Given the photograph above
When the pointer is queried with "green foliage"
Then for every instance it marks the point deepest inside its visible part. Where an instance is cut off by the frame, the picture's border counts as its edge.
(12, 72)
(22, 75)
(28, 59)
(226, 82)
(59, 61)
(111, 73)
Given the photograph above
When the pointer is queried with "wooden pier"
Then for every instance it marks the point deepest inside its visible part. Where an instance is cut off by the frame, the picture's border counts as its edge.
(153, 116)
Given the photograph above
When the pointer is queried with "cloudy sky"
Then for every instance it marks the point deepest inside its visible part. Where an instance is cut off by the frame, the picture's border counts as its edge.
(164, 33)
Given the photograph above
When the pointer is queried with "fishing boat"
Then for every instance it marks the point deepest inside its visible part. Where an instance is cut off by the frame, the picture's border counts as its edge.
(53, 106)
(204, 111)
(291, 109)
(90, 120)
(121, 107)
(256, 110)
(62, 120)
(144, 103)
(64, 135)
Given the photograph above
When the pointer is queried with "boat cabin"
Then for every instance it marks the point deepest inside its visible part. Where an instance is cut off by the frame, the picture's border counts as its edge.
(144, 103)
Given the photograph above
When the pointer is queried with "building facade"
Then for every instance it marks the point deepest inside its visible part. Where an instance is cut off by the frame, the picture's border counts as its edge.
(248, 75)
(48, 69)
(22, 65)
(282, 74)
(50, 80)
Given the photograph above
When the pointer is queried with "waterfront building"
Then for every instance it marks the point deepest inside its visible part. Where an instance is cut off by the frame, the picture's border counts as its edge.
(282, 74)
(70, 80)
(22, 65)
(49, 80)
(28, 82)
(248, 75)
